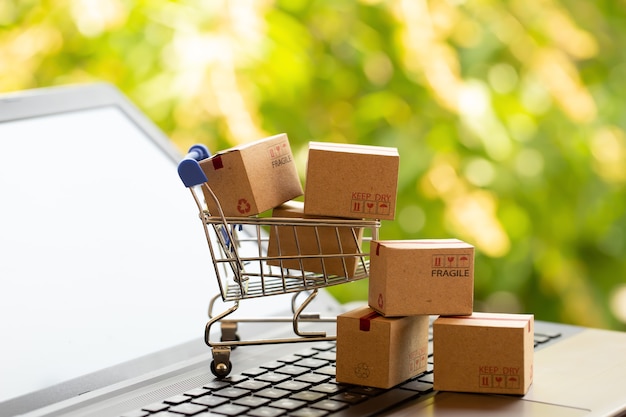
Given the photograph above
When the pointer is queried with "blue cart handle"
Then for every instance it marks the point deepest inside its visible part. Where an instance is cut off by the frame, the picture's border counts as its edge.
(189, 169)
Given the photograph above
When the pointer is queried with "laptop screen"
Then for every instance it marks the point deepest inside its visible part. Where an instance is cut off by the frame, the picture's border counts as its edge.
(103, 257)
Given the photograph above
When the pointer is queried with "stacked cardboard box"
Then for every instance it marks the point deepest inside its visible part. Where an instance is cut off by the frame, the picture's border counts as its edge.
(484, 353)
(320, 249)
(473, 352)
(413, 277)
(252, 178)
(379, 351)
(351, 181)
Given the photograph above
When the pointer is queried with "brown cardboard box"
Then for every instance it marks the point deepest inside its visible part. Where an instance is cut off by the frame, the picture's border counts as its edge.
(352, 181)
(378, 351)
(252, 178)
(484, 353)
(327, 240)
(412, 277)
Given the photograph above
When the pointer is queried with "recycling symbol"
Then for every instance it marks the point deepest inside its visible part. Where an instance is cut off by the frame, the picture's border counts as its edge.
(362, 370)
(243, 206)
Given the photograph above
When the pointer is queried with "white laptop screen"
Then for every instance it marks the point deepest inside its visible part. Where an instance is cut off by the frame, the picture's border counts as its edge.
(103, 258)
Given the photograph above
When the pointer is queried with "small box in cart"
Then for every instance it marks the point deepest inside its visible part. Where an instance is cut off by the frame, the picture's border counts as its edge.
(302, 241)
(413, 277)
(484, 353)
(252, 178)
(351, 181)
(377, 351)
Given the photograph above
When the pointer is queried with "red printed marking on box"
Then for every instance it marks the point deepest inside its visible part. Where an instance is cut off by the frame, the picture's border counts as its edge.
(364, 322)
(217, 163)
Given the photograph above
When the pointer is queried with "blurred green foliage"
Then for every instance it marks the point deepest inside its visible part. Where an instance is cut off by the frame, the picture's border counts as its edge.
(508, 115)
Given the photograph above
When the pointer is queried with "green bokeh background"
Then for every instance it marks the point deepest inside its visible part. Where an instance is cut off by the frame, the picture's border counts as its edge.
(509, 116)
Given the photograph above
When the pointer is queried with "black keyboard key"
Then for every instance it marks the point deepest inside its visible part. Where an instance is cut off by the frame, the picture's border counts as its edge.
(288, 404)
(197, 392)
(292, 370)
(313, 378)
(325, 345)
(156, 407)
(272, 365)
(329, 405)
(188, 409)
(272, 377)
(177, 399)
(210, 400)
(306, 352)
(308, 396)
(350, 397)
(311, 363)
(369, 391)
(252, 385)
(327, 370)
(216, 384)
(232, 392)
(289, 359)
(254, 372)
(551, 335)
(293, 386)
(418, 386)
(426, 378)
(377, 404)
(325, 356)
(233, 379)
(273, 393)
(266, 412)
(231, 409)
(309, 412)
(328, 388)
(251, 401)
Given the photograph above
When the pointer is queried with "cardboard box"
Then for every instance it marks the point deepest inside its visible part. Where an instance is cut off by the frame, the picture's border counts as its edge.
(377, 351)
(305, 240)
(412, 277)
(252, 178)
(484, 353)
(352, 181)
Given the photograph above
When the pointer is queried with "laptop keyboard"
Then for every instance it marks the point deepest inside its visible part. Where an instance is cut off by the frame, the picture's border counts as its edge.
(298, 385)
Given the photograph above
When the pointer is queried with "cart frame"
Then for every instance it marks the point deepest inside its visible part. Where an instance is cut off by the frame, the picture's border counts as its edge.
(241, 277)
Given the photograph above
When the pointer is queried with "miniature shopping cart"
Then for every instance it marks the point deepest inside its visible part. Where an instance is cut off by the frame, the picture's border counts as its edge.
(252, 273)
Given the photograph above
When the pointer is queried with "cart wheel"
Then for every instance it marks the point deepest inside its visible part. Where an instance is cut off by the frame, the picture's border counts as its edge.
(221, 370)
(221, 364)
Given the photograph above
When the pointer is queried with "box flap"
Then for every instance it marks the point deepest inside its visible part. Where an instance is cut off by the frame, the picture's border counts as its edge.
(425, 244)
(353, 148)
(488, 320)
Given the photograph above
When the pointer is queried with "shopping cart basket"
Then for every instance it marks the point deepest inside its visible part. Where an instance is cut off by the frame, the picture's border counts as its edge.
(242, 276)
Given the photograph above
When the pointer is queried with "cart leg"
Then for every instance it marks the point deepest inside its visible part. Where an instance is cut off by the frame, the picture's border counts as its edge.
(221, 365)
(298, 314)
(229, 331)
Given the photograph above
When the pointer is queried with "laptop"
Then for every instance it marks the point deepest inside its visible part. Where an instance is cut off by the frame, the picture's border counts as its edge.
(106, 278)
